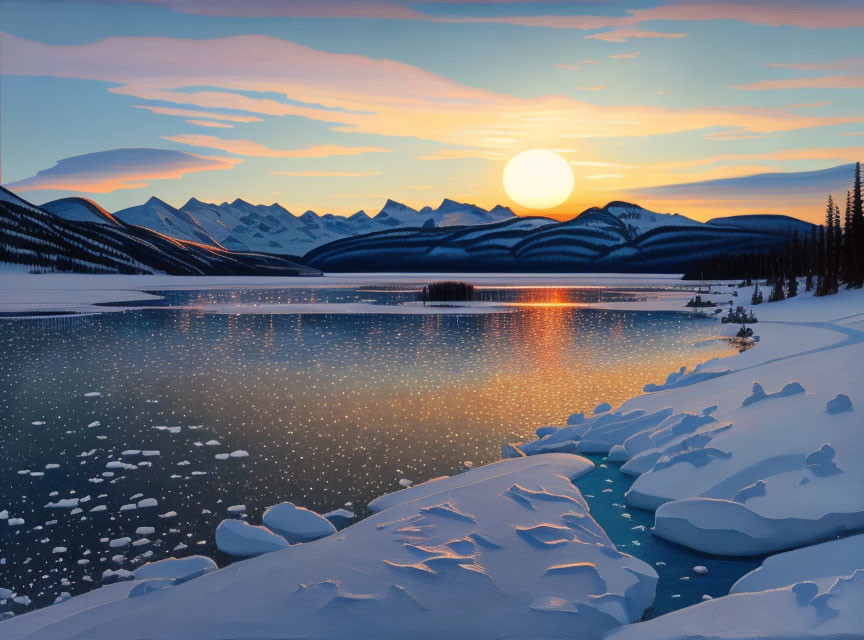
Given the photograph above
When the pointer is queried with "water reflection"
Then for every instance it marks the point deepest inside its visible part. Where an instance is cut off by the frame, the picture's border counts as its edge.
(331, 408)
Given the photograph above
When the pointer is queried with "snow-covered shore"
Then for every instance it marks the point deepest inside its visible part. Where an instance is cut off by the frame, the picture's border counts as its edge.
(745, 456)
(505, 550)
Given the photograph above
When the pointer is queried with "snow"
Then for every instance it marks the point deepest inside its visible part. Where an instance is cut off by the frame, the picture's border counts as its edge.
(750, 460)
(181, 569)
(296, 524)
(828, 609)
(239, 538)
(826, 560)
(504, 550)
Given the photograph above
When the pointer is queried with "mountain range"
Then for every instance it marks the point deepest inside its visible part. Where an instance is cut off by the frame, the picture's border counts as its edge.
(619, 237)
(76, 234)
(241, 226)
(88, 239)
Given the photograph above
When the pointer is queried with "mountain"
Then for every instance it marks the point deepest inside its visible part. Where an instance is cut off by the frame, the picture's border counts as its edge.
(619, 237)
(241, 226)
(161, 217)
(33, 239)
(80, 210)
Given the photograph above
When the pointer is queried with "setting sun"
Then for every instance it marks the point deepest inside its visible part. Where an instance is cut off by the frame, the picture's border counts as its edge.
(538, 179)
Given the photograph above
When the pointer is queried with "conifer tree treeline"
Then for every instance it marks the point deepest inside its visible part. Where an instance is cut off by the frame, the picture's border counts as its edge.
(830, 258)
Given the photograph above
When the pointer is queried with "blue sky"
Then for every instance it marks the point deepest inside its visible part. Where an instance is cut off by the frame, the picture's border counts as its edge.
(335, 106)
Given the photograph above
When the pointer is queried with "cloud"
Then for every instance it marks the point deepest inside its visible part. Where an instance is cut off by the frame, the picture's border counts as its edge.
(251, 148)
(573, 67)
(598, 87)
(822, 82)
(328, 174)
(357, 94)
(626, 34)
(208, 123)
(625, 55)
(833, 65)
(105, 171)
(193, 113)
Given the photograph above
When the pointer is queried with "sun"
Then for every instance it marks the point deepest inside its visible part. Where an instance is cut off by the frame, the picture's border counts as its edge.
(538, 179)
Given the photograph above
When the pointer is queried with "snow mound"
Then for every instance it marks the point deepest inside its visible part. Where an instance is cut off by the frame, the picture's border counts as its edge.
(239, 538)
(181, 569)
(296, 524)
(806, 610)
(416, 569)
(835, 558)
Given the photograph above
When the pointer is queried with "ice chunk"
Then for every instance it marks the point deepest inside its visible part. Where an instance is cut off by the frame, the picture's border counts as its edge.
(296, 524)
(239, 538)
(181, 569)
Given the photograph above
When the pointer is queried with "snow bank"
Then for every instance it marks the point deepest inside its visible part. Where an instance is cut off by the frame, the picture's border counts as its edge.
(505, 550)
(802, 611)
(836, 558)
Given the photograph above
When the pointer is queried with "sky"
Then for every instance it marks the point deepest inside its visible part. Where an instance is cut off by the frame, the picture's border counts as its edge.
(337, 105)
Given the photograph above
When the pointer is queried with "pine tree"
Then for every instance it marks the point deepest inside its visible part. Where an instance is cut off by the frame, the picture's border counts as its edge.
(857, 238)
(820, 262)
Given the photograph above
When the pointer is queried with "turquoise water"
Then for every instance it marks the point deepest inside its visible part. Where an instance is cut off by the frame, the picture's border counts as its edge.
(630, 529)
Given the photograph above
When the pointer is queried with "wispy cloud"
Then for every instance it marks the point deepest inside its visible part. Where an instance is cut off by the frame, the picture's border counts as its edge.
(598, 87)
(573, 67)
(194, 113)
(628, 33)
(363, 95)
(250, 148)
(209, 123)
(616, 56)
(326, 174)
(106, 171)
(820, 82)
(799, 13)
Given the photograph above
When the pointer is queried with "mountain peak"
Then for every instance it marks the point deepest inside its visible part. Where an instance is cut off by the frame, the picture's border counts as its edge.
(193, 201)
(398, 206)
(156, 202)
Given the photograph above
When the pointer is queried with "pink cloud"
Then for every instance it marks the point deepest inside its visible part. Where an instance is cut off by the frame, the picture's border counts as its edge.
(799, 13)
(326, 174)
(250, 148)
(208, 123)
(105, 171)
(362, 95)
(822, 82)
(626, 34)
(192, 113)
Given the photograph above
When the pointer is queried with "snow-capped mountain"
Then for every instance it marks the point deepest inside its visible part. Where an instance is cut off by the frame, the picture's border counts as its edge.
(83, 240)
(617, 237)
(79, 209)
(242, 226)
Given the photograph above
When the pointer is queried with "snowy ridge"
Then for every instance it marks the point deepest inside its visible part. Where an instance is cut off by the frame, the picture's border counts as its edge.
(241, 226)
(33, 239)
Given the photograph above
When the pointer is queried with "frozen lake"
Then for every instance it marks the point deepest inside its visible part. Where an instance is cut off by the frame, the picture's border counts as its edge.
(332, 408)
